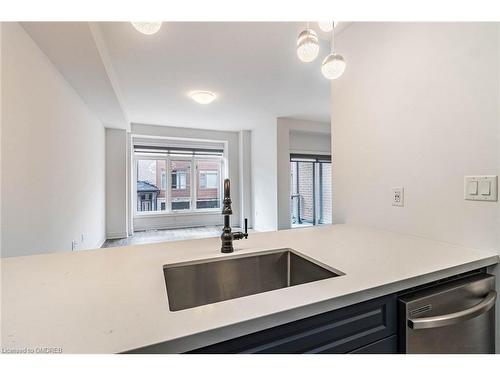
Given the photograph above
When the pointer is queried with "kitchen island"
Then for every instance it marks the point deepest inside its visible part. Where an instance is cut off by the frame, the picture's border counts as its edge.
(115, 300)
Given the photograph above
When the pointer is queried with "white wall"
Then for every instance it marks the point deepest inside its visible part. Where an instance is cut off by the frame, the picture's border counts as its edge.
(116, 183)
(296, 136)
(52, 163)
(245, 169)
(1, 127)
(421, 113)
(310, 142)
(264, 177)
(498, 221)
(186, 219)
(498, 108)
(418, 107)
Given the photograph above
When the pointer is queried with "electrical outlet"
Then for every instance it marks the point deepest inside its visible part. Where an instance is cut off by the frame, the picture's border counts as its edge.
(398, 198)
(74, 245)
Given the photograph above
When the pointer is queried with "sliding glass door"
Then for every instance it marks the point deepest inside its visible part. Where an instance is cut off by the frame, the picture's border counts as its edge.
(311, 190)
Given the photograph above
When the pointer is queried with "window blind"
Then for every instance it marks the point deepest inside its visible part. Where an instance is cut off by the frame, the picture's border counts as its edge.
(311, 158)
(184, 151)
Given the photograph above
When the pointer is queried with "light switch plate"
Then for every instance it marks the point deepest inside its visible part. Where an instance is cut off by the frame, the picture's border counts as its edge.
(398, 198)
(481, 188)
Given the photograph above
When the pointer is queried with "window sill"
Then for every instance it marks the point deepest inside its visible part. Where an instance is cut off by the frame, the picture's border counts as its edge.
(217, 211)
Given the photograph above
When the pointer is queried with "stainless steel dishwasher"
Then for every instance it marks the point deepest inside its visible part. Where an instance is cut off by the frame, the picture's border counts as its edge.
(453, 317)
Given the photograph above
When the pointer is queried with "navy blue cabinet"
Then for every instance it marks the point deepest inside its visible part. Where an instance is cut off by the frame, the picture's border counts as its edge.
(389, 345)
(367, 327)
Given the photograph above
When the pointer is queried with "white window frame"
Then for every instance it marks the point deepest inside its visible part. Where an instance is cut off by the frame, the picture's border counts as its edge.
(168, 198)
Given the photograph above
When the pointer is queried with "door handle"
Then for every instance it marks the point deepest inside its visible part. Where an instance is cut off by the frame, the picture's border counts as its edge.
(457, 317)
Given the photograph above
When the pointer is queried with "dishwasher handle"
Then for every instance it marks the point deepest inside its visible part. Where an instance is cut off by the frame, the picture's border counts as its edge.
(457, 317)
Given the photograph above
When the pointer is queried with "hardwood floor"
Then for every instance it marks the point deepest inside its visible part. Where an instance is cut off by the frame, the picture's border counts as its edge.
(165, 235)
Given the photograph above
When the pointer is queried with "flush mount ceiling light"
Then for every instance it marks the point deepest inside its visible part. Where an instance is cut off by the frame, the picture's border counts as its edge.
(202, 97)
(147, 28)
(333, 65)
(326, 26)
(307, 45)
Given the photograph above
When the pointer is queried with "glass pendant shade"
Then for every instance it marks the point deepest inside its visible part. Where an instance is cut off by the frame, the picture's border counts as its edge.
(307, 45)
(333, 66)
(326, 26)
(147, 28)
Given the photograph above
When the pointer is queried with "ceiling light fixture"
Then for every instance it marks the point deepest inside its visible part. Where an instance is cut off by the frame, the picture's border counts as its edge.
(307, 45)
(147, 28)
(333, 65)
(202, 97)
(326, 26)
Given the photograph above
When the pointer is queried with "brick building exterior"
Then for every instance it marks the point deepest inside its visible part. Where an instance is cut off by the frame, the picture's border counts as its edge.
(303, 190)
(153, 175)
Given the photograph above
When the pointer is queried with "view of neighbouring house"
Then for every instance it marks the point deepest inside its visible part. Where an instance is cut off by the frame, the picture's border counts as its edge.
(311, 189)
(147, 197)
(155, 190)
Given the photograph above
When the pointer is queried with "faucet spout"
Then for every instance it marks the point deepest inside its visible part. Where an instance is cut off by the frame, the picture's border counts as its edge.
(226, 208)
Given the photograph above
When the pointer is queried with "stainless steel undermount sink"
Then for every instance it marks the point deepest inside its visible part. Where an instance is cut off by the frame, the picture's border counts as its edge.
(198, 283)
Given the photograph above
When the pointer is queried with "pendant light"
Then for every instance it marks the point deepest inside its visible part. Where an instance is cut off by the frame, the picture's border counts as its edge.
(147, 28)
(333, 65)
(307, 45)
(326, 26)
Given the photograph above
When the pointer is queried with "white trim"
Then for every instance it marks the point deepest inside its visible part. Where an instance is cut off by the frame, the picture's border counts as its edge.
(205, 211)
(181, 226)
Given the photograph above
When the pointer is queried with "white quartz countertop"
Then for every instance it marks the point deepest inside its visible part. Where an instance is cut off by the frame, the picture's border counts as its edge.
(114, 300)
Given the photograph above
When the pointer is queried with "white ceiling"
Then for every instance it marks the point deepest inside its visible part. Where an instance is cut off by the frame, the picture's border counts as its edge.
(252, 67)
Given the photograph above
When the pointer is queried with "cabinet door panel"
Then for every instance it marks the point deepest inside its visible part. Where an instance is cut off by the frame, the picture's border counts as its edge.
(338, 331)
(388, 345)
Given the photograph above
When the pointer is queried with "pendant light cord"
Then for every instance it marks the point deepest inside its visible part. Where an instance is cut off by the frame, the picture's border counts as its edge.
(332, 42)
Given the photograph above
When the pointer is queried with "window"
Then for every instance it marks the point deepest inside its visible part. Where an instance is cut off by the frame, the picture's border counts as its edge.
(311, 188)
(209, 179)
(181, 187)
(209, 182)
(164, 180)
(177, 179)
(150, 188)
